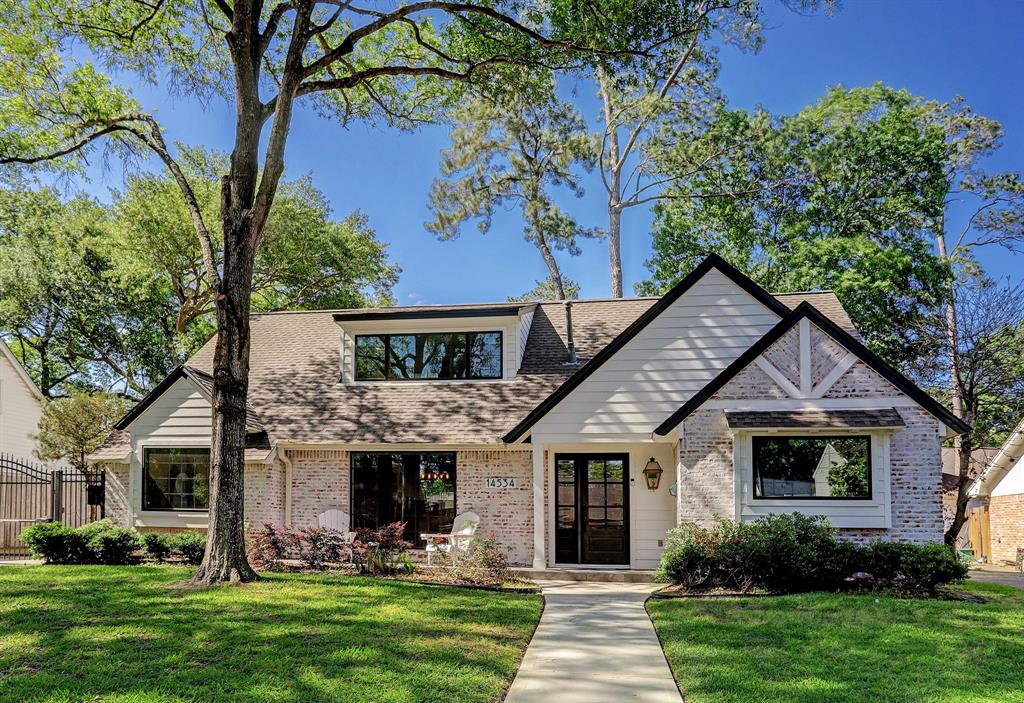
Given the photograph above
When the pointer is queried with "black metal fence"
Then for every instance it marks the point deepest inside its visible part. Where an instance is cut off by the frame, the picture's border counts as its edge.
(31, 493)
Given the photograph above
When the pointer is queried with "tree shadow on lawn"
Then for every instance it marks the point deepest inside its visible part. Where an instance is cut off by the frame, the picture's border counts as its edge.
(74, 633)
(844, 648)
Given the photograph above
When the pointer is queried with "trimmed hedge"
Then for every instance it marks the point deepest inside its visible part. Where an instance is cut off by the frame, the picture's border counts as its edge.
(795, 553)
(103, 542)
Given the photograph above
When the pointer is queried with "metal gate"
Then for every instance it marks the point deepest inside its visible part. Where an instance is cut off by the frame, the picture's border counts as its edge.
(31, 493)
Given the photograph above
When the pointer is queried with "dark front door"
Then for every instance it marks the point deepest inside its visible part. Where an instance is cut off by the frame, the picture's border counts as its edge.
(592, 508)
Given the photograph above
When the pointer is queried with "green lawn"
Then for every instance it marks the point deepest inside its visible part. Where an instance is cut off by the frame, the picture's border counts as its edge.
(111, 634)
(841, 648)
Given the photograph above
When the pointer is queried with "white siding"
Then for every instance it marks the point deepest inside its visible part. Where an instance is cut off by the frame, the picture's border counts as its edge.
(525, 323)
(20, 410)
(1013, 481)
(180, 417)
(664, 365)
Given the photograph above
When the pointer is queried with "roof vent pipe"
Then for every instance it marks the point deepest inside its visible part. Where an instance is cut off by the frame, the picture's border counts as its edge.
(568, 333)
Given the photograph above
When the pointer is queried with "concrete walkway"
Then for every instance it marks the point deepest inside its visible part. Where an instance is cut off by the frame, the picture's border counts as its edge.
(595, 644)
(995, 574)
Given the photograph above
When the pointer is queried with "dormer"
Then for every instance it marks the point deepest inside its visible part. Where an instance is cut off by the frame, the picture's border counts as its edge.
(437, 343)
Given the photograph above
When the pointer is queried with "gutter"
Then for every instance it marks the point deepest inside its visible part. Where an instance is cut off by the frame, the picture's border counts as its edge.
(283, 456)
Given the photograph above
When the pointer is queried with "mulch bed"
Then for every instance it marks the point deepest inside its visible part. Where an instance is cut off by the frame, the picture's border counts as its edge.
(680, 592)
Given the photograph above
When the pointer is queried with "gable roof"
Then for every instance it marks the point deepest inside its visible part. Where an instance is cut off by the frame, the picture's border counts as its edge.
(20, 371)
(296, 397)
(711, 262)
(1001, 464)
(873, 361)
(203, 383)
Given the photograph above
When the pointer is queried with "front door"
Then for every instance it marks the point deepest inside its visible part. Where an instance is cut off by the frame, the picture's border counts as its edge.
(592, 509)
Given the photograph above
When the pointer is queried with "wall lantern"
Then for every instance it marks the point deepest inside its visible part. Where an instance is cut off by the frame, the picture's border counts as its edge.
(652, 474)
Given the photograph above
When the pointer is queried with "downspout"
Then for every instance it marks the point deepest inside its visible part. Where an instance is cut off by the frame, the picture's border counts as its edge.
(283, 456)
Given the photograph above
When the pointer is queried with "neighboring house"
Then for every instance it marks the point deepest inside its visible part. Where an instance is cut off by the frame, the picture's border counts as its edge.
(21, 406)
(996, 510)
(980, 458)
(552, 421)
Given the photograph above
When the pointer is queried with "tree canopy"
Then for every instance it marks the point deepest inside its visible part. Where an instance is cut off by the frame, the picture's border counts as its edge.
(840, 196)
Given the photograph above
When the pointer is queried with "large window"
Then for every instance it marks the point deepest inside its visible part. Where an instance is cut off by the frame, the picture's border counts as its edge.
(417, 489)
(412, 357)
(176, 479)
(812, 467)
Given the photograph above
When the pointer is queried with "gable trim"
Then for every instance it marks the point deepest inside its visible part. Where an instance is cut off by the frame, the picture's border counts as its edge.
(202, 382)
(149, 398)
(22, 372)
(873, 361)
(713, 261)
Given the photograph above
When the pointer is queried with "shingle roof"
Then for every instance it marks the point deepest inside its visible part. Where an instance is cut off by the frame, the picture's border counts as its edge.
(295, 393)
(798, 419)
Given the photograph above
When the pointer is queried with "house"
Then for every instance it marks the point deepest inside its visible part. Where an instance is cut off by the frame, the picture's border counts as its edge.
(579, 432)
(996, 511)
(21, 406)
(980, 457)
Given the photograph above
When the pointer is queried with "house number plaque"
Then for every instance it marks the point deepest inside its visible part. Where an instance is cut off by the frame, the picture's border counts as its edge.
(500, 482)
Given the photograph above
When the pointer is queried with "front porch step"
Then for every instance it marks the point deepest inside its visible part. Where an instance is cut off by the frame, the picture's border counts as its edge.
(605, 575)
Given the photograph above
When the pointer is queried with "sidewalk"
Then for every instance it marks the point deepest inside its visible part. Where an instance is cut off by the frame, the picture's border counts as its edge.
(595, 644)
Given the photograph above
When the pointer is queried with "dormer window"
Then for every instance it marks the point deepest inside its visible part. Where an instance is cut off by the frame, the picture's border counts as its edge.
(417, 357)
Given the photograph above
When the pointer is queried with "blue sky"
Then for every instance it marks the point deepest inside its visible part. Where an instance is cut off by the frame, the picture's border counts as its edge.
(934, 49)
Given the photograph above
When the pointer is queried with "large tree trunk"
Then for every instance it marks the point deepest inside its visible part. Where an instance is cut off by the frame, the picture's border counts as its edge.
(225, 558)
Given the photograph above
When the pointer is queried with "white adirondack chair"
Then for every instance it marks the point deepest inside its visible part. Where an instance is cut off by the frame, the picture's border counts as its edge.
(335, 519)
(458, 540)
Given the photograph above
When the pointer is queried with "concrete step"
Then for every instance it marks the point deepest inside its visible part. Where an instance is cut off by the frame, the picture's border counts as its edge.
(605, 575)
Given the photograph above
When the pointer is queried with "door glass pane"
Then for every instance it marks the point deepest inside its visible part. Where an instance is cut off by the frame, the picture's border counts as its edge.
(566, 494)
(566, 470)
(615, 517)
(595, 470)
(595, 516)
(614, 470)
(613, 496)
(595, 494)
(566, 518)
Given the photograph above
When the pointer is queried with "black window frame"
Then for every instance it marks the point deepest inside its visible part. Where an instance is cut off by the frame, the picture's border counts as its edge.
(415, 535)
(146, 480)
(386, 336)
(753, 466)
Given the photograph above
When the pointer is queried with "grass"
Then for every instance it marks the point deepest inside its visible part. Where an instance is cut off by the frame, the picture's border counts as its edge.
(132, 634)
(842, 648)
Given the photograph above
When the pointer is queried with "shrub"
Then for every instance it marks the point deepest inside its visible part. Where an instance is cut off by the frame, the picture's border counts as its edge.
(485, 564)
(380, 550)
(793, 553)
(55, 543)
(687, 559)
(117, 546)
(912, 567)
(320, 546)
(157, 545)
(269, 545)
(190, 546)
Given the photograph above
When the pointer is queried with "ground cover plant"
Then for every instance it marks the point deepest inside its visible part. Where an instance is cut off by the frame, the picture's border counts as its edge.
(843, 648)
(136, 634)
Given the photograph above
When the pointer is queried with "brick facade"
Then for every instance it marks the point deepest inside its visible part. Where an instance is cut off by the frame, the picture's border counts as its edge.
(707, 473)
(117, 504)
(1006, 525)
(508, 512)
(320, 482)
(264, 494)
